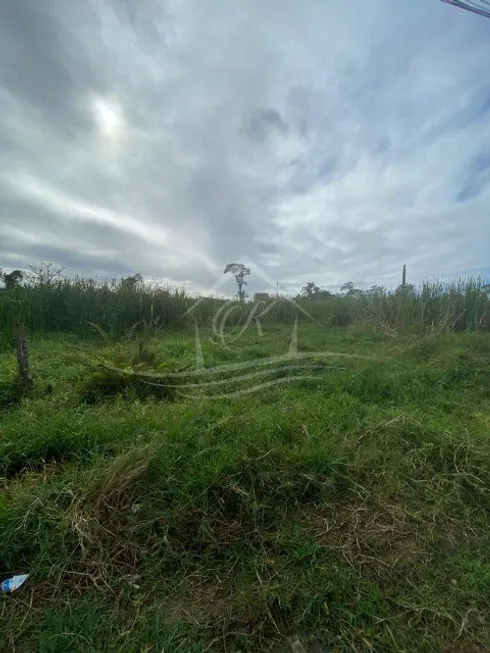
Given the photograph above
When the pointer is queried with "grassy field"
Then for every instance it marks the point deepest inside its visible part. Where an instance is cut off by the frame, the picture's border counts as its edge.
(342, 509)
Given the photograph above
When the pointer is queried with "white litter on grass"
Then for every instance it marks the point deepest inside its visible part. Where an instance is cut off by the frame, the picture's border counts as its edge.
(12, 584)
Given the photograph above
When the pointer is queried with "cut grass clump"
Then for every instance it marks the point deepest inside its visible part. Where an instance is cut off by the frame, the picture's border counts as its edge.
(105, 384)
(126, 371)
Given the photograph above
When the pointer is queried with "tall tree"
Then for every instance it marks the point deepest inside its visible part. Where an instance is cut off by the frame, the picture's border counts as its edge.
(11, 279)
(310, 290)
(132, 283)
(323, 294)
(239, 271)
(376, 290)
(45, 274)
(350, 289)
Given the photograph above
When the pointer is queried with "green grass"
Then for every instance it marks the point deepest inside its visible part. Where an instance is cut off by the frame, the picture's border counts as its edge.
(346, 511)
(74, 304)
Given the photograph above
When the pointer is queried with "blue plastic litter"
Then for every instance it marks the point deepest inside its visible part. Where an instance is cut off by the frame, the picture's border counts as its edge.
(12, 584)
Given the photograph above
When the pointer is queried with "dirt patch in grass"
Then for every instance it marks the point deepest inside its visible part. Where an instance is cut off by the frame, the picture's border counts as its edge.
(204, 604)
(380, 537)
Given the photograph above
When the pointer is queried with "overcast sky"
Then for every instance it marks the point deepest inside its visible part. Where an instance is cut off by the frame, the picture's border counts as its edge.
(326, 141)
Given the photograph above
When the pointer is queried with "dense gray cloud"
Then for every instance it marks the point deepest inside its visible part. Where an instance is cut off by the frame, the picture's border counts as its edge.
(322, 141)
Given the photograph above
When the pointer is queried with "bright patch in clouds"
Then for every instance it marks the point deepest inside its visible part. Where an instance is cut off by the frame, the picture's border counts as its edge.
(324, 141)
(108, 117)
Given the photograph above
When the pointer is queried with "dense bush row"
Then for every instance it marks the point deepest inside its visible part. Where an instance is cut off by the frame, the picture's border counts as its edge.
(71, 304)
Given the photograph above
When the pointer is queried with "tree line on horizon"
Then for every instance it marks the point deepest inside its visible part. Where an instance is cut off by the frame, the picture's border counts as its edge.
(310, 290)
(47, 273)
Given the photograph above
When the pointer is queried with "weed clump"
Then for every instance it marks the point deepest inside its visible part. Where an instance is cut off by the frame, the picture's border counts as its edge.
(105, 383)
(127, 370)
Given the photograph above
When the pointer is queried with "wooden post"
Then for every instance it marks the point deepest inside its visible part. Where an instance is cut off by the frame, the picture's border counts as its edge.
(404, 276)
(23, 357)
